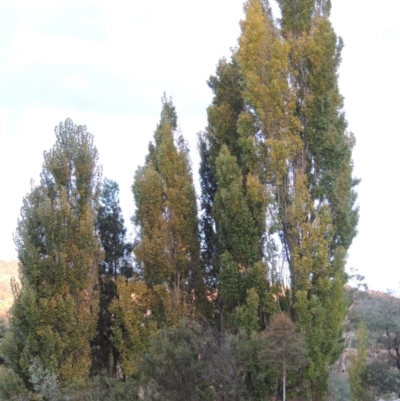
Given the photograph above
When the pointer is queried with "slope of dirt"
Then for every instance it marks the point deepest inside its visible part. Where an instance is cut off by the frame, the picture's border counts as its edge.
(8, 270)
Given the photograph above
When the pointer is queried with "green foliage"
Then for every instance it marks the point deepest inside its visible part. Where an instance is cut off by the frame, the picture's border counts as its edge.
(112, 233)
(3, 332)
(236, 233)
(383, 377)
(358, 377)
(3, 328)
(54, 313)
(45, 386)
(193, 362)
(385, 327)
(222, 129)
(339, 386)
(168, 249)
(380, 314)
(44, 382)
(99, 388)
(255, 376)
(12, 387)
(278, 216)
(117, 260)
(189, 362)
(285, 349)
(289, 82)
(247, 314)
(276, 163)
(136, 312)
(233, 195)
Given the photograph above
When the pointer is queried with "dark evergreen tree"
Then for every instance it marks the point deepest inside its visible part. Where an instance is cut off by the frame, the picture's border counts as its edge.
(55, 310)
(112, 232)
(117, 261)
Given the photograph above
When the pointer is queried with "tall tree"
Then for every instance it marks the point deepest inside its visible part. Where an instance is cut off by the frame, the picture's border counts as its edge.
(167, 248)
(325, 162)
(278, 111)
(54, 314)
(117, 261)
(112, 232)
(358, 374)
(222, 130)
(232, 175)
(290, 84)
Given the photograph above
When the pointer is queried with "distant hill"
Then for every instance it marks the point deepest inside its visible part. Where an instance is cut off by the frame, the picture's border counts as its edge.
(382, 377)
(8, 270)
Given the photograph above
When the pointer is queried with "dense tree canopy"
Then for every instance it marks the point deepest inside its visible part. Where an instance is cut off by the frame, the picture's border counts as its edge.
(112, 232)
(117, 261)
(168, 248)
(247, 301)
(278, 131)
(55, 309)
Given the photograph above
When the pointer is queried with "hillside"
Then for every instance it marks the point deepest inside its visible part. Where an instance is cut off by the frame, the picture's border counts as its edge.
(380, 314)
(8, 270)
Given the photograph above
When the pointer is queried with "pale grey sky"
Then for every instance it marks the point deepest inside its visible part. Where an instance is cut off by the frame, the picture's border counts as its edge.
(106, 64)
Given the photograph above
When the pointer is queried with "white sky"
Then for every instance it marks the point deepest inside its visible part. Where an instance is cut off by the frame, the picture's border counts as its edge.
(106, 64)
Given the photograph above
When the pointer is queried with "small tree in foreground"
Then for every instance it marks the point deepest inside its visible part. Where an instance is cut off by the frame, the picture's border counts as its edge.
(284, 348)
(358, 373)
(189, 362)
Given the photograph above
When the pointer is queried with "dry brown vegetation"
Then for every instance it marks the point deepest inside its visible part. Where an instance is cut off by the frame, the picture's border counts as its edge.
(8, 270)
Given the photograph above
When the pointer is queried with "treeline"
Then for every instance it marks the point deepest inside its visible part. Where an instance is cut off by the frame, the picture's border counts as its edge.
(245, 302)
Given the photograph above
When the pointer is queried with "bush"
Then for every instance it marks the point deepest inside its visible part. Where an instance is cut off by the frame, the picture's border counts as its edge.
(100, 388)
(11, 386)
(188, 362)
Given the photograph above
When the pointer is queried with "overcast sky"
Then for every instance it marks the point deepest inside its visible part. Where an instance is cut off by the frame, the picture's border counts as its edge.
(106, 65)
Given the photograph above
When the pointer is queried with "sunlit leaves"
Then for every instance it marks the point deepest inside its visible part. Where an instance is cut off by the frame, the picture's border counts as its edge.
(168, 249)
(55, 312)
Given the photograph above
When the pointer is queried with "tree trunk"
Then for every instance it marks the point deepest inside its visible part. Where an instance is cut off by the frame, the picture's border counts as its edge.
(284, 381)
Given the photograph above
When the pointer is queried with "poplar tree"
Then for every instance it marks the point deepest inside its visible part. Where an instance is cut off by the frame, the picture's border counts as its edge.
(232, 175)
(278, 110)
(358, 373)
(289, 82)
(167, 248)
(54, 314)
(222, 130)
